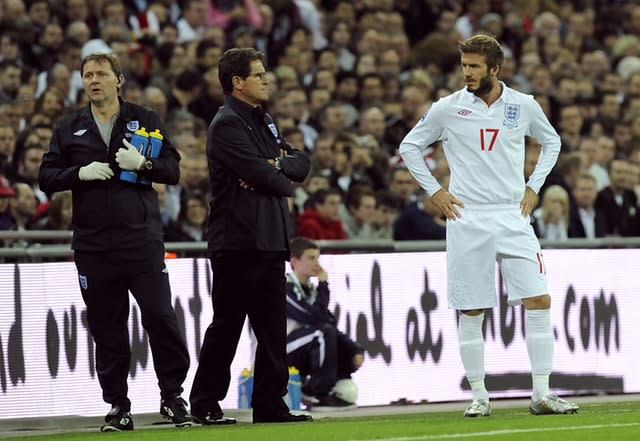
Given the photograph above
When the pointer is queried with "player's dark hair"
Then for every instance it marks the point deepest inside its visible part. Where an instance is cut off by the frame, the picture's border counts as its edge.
(483, 45)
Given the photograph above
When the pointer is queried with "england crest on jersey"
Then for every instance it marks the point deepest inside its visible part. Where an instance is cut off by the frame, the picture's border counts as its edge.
(133, 125)
(511, 115)
(274, 130)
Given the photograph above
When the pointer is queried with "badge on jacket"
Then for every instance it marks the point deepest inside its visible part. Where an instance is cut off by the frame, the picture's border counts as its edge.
(133, 125)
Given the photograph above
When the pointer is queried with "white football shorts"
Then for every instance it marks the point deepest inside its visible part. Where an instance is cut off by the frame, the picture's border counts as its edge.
(482, 236)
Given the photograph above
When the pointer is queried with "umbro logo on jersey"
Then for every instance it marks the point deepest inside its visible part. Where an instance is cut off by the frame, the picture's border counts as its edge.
(464, 112)
(80, 132)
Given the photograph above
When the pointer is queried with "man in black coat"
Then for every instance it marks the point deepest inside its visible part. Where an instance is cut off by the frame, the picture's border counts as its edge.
(117, 236)
(618, 202)
(584, 219)
(251, 169)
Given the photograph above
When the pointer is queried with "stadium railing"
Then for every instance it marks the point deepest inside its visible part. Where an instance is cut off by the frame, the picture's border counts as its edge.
(32, 245)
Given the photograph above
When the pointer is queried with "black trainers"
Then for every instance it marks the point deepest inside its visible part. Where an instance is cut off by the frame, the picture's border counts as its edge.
(210, 417)
(117, 420)
(332, 402)
(176, 410)
(283, 416)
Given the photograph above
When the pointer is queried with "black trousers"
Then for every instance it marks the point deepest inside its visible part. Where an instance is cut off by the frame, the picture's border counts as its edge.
(105, 280)
(323, 355)
(245, 284)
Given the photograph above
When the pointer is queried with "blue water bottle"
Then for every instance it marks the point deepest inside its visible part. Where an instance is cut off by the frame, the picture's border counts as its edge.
(153, 149)
(245, 389)
(140, 140)
(294, 389)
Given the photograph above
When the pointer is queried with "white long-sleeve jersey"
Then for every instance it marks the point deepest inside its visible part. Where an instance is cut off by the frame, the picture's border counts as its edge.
(484, 146)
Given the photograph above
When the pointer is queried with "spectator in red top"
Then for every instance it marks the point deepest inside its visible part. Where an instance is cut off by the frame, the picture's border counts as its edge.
(321, 221)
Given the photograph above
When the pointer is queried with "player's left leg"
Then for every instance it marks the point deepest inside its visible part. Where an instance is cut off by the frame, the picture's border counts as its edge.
(524, 272)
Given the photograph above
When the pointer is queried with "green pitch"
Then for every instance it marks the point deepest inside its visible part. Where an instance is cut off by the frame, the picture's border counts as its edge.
(595, 422)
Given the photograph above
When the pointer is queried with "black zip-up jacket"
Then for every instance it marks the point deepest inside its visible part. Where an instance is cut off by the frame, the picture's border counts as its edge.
(241, 139)
(111, 214)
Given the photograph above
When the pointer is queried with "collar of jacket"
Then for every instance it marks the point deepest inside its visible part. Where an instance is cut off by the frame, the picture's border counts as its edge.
(123, 113)
(245, 110)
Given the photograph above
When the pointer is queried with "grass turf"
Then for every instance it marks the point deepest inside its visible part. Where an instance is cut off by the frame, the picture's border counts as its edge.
(595, 422)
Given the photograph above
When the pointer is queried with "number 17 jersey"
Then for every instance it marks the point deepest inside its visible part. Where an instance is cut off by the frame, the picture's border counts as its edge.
(483, 145)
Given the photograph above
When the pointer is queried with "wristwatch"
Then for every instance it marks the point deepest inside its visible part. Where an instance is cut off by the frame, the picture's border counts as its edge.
(147, 165)
(276, 163)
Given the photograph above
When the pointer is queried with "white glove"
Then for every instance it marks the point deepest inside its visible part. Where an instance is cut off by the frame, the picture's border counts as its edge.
(128, 157)
(95, 171)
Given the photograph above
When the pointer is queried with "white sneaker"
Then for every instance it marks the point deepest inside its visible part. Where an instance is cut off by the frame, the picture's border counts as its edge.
(308, 400)
(552, 404)
(478, 407)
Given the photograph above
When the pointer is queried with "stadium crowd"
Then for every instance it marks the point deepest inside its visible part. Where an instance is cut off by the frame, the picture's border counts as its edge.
(348, 80)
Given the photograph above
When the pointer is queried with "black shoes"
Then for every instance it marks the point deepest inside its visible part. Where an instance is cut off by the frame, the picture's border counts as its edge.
(117, 420)
(280, 417)
(211, 417)
(332, 402)
(176, 410)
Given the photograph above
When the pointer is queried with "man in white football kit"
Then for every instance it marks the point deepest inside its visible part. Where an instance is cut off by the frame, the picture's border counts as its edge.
(487, 205)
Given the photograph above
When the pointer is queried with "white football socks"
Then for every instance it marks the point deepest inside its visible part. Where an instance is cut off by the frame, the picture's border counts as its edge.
(540, 347)
(472, 353)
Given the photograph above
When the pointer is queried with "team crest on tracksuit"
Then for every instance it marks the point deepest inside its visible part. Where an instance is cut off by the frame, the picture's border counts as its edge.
(133, 125)
(511, 115)
(274, 130)
(83, 281)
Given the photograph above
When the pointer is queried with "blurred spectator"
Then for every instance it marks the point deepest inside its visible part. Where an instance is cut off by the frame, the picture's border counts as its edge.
(320, 221)
(403, 186)
(567, 169)
(46, 50)
(371, 90)
(26, 166)
(619, 203)
(76, 11)
(51, 103)
(413, 104)
(531, 154)
(208, 54)
(311, 20)
(584, 219)
(155, 99)
(551, 220)
(193, 179)
(372, 122)
(186, 89)
(132, 92)
(323, 154)
(6, 193)
(468, 23)
(570, 125)
(161, 190)
(192, 219)
(358, 212)
(58, 214)
(10, 72)
(387, 211)
(332, 118)
(232, 13)
(194, 17)
(10, 47)
(295, 137)
(420, 220)
(7, 146)
(315, 181)
(605, 152)
(22, 207)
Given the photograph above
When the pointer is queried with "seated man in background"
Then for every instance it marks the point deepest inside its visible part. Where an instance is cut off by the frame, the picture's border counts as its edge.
(321, 353)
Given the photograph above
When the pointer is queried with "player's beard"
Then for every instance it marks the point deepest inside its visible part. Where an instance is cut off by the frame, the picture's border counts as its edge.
(484, 87)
